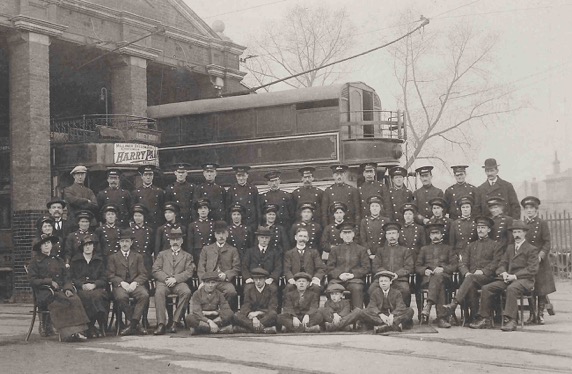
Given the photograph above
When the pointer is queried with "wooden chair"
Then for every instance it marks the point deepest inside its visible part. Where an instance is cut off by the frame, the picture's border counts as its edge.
(529, 295)
(36, 309)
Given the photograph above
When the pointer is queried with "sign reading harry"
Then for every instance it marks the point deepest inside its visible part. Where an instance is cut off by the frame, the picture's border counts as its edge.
(135, 154)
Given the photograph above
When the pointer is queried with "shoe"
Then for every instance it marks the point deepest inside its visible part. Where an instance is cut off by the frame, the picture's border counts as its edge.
(450, 308)
(239, 330)
(225, 330)
(329, 327)
(397, 328)
(270, 330)
(540, 319)
(382, 329)
(531, 320)
(313, 329)
(426, 310)
(407, 325)
(160, 330)
(509, 326)
(481, 323)
(141, 330)
(443, 324)
(129, 330)
(192, 331)
(78, 337)
(173, 329)
(550, 309)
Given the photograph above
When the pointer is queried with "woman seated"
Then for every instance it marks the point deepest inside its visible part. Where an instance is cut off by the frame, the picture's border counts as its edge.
(87, 272)
(48, 278)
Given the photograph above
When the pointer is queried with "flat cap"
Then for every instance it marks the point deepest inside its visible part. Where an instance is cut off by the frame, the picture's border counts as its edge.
(303, 274)
(55, 200)
(78, 169)
(335, 287)
(259, 273)
(210, 276)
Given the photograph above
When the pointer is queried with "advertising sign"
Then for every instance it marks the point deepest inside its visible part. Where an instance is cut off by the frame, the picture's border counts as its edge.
(135, 154)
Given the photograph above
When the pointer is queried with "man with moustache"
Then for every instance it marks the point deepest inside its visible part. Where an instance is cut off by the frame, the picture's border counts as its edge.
(117, 196)
(245, 194)
(494, 186)
(305, 259)
(458, 190)
(425, 194)
(341, 192)
(307, 193)
(281, 199)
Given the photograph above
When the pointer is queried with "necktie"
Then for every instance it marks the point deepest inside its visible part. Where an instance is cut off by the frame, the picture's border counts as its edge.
(126, 256)
(58, 225)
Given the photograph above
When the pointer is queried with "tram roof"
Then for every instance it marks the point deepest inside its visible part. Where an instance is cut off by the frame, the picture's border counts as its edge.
(267, 99)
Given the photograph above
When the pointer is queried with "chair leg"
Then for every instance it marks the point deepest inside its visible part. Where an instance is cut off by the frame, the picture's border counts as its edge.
(522, 310)
(34, 313)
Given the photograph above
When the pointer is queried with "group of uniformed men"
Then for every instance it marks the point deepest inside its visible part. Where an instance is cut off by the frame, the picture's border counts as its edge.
(309, 238)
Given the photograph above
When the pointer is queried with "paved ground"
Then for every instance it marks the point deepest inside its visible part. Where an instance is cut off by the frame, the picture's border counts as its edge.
(535, 349)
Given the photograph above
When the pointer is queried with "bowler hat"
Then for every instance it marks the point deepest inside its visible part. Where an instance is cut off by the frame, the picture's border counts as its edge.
(176, 233)
(126, 234)
(220, 226)
(263, 231)
(44, 238)
(490, 163)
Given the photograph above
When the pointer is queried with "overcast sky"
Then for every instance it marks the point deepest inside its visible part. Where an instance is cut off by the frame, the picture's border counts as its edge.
(534, 51)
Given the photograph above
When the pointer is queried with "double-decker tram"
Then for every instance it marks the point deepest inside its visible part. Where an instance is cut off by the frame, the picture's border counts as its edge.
(317, 126)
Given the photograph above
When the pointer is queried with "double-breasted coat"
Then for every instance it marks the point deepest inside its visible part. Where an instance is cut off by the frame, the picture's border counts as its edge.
(422, 196)
(153, 198)
(412, 236)
(461, 233)
(285, 214)
(482, 254)
(369, 189)
(247, 196)
(309, 194)
(121, 198)
(216, 195)
(182, 194)
(503, 189)
(396, 197)
(343, 193)
(371, 232)
(538, 235)
(454, 193)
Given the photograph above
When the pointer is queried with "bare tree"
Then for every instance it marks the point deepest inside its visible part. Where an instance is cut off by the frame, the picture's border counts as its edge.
(306, 38)
(448, 89)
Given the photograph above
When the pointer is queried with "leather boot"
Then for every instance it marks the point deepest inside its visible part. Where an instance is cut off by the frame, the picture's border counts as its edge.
(426, 312)
(549, 306)
(450, 308)
(541, 306)
(42, 328)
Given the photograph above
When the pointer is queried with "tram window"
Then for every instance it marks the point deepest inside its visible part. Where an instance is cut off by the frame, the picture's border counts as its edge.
(170, 130)
(368, 130)
(317, 104)
(197, 128)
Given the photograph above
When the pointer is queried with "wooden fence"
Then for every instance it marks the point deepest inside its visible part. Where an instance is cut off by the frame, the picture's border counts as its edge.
(560, 225)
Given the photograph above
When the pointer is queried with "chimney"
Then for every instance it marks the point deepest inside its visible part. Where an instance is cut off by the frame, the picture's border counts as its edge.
(556, 164)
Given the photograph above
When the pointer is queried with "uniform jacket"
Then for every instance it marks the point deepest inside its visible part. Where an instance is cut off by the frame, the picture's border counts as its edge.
(395, 258)
(279, 238)
(369, 189)
(524, 264)
(153, 198)
(422, 196)
(456, 191)
(309, 194)
(142, 239)
(162, 236)
(482, 255)
(224, 259)
(446, 229)
(348, 258)
(247, 196)
(298, 306)
(93, 272)
(108, 238)
(310, 262)
(539, 236)
(216, 195)
(240, 237)
(203, 301)
(199, 234)
(73, 241)
(342, 307)
(342, 193)
(121, 198)
(436, 255)
(499, 231)
(461, 233)
(396, 197)
(371, 232)
(79, 197)
(254, 301)
(412, 236)
(270, 260)
(181, 193)
(330, 237)
(128, 270)
(314, 233)
(502, 189)
(180, 267)
(285, 215)
(392, 304)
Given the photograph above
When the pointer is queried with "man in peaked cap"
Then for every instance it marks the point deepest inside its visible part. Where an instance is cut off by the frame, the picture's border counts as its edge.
(240, 236)
(494, 186)
(331, 233)
(435, 265)
(424, 194)
(307, 193)
(478, 263)
(245, 194)
(464, 229)
(150, 195)
(300, 307)
(398, 194)
(116, 195)
(515, 274)
(342, 192)
(201, 231)
(411, 235)
(258, 312)
(108, 233)
(142, 235)
(394, 258)
(210, 190)
(438, 207)
(458, 190)
(348, 264)
(172, 269)
(222, 258)
(78, 196)
(306, 221)
(181, 192)
(371, 187)
(73, 240)
(275, 196)
(128, 276)
(500, 232)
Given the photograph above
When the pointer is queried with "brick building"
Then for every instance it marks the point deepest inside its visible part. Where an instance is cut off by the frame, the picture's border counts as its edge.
(76, 77)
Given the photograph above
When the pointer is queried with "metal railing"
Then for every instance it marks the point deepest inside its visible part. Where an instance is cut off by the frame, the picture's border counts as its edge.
(373, 124)
(98, 127)
(560, 225)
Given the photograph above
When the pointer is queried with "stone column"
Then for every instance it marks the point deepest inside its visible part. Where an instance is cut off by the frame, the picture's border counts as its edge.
(30, 144)
(129, 85)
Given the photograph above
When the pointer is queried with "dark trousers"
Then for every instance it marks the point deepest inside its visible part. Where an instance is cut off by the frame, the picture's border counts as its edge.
(141, 296)
(436, 285)
(400, 285)
(223, 319)
(181, 289)
(355, 286)
(370, 318)
(468, 291)
(513, 292)
(266, 320)
(285, 319)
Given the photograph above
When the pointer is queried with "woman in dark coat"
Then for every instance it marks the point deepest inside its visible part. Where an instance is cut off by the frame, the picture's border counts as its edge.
(87, 272)
(45, 227)
(48, 277)
(538, 235)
